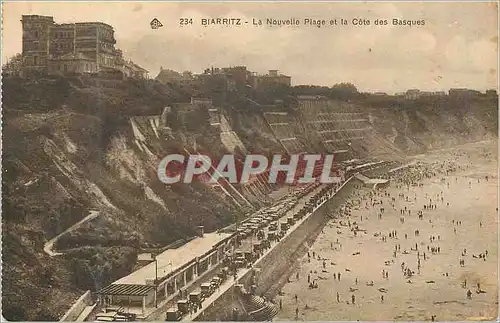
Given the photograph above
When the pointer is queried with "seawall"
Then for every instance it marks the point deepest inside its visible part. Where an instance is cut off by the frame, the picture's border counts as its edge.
(272, 270)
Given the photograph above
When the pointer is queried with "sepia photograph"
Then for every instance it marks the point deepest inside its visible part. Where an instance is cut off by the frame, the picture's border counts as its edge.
(249, 161)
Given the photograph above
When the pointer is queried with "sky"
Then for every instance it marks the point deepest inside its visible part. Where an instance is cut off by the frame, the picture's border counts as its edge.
(457, 46)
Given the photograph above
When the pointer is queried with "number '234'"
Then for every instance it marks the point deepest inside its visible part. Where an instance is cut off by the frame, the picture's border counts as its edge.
(185, 21)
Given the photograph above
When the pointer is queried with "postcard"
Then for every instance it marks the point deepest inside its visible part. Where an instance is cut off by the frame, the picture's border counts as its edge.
(249, 161)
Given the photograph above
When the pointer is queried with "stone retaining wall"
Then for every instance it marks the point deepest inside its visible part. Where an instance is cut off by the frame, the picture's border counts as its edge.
(77, 308)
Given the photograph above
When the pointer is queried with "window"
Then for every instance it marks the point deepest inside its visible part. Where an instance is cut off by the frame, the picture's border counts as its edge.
(36, 33)
(65, 68)
(35, 60)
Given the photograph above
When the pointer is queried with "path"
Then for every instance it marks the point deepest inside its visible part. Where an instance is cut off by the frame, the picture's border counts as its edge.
(49, 245)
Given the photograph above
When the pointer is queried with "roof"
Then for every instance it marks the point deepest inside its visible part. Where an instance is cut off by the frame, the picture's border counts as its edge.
(273, 76)
(139, 68)
(402, 166)
(126, 289)
(173, 259)
(133, 65)
(368, 180)
(94, 23)
(72, 56)
(166, 75)
(367, 164)
(310, 97)
(378, 181)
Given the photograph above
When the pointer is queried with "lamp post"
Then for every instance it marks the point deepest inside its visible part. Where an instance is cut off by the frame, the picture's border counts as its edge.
(156, 282)
(236, 240)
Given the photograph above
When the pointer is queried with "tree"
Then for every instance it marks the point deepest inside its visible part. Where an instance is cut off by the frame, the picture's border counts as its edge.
(14, 65)
(344, 91)
(268, 94)
(351, 87)
(492, 93)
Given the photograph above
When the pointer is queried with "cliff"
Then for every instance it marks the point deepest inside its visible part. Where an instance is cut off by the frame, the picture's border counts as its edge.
(76, 145)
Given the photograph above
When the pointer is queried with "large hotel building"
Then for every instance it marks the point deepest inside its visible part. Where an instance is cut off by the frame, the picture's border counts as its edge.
(84, 47)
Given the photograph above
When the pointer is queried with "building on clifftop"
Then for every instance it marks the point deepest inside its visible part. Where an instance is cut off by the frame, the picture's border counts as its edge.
(82, 47)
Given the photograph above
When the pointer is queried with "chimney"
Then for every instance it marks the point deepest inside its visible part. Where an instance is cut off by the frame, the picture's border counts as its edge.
(199, 231)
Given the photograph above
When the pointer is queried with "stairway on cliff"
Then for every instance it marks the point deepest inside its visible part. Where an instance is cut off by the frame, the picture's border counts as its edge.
(345, 130)
(283, 127)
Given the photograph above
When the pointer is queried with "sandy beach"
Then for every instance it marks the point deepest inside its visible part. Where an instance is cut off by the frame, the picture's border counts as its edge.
(373, 262)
